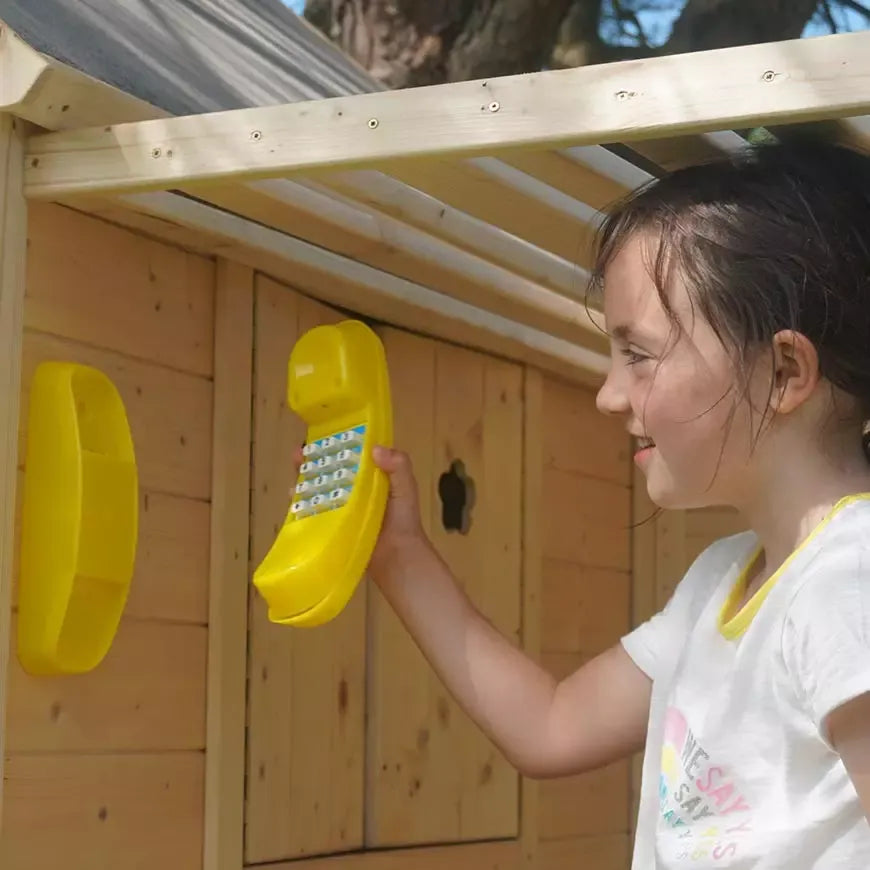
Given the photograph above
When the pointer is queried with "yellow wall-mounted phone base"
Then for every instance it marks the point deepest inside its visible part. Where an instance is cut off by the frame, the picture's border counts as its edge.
(79, 520)
(338, 383)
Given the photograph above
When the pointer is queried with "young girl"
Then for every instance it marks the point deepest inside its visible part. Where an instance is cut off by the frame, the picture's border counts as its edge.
(737, 300)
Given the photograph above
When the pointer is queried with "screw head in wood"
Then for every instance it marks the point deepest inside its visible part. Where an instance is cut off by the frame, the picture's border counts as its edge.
(373, 122)
(494, 106)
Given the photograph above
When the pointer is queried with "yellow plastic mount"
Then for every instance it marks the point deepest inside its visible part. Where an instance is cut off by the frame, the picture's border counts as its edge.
(338, 383)
(79, 520)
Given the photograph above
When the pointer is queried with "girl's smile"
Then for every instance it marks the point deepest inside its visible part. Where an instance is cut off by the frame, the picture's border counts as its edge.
(643, 454)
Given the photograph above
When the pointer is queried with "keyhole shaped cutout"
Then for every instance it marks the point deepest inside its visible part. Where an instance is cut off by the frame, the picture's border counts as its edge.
(456, 490)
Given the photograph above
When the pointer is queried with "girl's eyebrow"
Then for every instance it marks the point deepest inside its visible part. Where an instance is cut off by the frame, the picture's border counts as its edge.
(624, 333)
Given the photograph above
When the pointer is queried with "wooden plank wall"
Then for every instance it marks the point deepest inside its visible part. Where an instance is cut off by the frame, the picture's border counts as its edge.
(113, 762)
(435, 777)
(586, 587)
(229, 571)
(306, 702)
(13, 255)
(144, 313)
(353, 743)
(107, 768)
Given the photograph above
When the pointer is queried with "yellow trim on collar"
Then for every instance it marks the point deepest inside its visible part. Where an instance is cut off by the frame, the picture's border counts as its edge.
(732, 628)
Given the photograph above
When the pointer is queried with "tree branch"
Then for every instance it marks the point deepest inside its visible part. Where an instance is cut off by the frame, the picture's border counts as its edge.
(828, 14)
(860, 8)
(632, 16)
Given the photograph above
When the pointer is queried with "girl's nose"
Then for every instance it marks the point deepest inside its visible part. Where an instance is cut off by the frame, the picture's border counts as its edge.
(611, 398)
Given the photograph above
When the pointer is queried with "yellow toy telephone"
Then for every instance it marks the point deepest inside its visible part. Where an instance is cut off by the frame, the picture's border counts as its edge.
(338, 383)
(79, 520)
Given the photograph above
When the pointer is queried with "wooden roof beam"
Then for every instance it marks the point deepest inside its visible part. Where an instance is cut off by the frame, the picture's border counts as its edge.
(507, 198)
(796, 80)
(347, 283)
(591, 174)
(404, 250)
(375, 190)
(50, 95)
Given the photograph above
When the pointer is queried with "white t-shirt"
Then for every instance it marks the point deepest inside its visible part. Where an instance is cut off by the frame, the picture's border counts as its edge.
(737, 770)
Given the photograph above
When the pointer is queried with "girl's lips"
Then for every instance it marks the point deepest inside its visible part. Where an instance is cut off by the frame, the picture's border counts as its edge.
(644, 450)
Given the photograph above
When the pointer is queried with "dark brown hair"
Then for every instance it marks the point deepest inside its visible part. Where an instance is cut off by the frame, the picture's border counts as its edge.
(772, 238)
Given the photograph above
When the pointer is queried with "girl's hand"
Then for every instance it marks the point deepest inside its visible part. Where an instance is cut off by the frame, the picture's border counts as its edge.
(402, 529)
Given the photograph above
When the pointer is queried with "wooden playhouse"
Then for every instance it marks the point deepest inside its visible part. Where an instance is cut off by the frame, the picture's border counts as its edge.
(182, 257)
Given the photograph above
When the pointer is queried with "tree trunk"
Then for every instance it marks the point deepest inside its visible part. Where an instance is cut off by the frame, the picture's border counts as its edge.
(501, 37)
(405, 43)
(578, 43)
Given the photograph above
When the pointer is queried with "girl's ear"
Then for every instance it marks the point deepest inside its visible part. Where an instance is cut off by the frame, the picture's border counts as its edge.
(796, 370)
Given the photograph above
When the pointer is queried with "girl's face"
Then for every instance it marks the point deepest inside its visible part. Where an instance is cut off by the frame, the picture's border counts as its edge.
(675, 386)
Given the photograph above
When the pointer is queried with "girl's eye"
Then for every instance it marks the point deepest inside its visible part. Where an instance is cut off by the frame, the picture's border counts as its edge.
(633, 356)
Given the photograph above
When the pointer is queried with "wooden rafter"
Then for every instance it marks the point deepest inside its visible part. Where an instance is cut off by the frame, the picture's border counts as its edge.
(348, 283)
(798, 80)
(406, 251)
(51, 95)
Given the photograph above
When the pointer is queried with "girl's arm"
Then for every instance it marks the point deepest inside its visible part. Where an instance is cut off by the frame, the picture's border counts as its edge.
(543, 727)
(849, 728)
